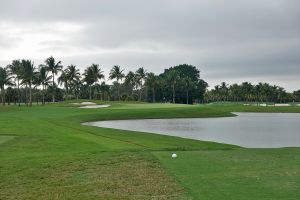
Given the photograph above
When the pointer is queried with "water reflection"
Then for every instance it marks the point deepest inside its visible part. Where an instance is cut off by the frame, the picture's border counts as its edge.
(257, 130)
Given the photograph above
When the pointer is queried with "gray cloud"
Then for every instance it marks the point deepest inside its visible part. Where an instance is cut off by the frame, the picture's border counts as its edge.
(228, 40)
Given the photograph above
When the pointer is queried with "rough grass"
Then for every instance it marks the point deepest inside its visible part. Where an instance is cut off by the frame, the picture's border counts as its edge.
(97, 176)
(45, 153)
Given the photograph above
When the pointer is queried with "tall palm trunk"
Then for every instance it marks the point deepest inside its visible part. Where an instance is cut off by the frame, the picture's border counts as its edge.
(132, 91)
(173, 88)
(141, 91)
(26, 95)
(77, 93)
(3, 96)
(187, 97)
(67, 90)
(43, 95)
(140, 94)
(118, 90)
(53, 92)
(30, 95)
(153, 95)
(19, 98)
(90, 93)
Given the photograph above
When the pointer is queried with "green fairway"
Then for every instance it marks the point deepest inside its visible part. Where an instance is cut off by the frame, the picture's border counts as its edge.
(237, 174)
(45, 153)
(5, 138)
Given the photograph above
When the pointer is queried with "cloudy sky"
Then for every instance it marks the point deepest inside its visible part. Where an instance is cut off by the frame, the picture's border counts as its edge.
(228, 40)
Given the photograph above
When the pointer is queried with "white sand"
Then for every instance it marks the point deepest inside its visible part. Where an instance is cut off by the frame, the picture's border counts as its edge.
(276, 104)
(85, 103)
(95, 106)
(282, 104)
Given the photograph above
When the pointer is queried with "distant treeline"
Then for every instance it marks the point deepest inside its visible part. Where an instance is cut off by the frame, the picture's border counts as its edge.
(247, 92)
(23, 82)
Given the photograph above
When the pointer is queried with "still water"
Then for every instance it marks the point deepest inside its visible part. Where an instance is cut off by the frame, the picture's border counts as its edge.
(254, 130)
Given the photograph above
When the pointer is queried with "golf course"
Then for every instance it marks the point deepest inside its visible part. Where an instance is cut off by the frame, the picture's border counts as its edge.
(46, 153)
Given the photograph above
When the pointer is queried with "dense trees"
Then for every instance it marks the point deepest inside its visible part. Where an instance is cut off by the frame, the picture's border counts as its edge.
(91, 76)
(22, 82)
(130, 82)
(152, 82)
(296, 95)
(172, 78)
(15, 68)
(29, 76)
(247, 92)
(174, 84)
(5, 80)
(140, 79)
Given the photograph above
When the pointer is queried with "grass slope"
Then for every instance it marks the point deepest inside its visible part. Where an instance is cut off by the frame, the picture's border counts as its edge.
(50, 155)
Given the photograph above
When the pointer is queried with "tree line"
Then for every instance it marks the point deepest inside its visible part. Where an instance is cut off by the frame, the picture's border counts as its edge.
(247, 92)
(23, 82)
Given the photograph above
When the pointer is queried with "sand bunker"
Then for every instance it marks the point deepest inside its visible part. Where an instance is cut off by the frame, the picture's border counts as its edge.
(263, 104)
(282, 104)
(95, 106)
(85, 103)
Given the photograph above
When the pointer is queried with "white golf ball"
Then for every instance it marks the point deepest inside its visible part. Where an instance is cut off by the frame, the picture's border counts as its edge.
(174, 155)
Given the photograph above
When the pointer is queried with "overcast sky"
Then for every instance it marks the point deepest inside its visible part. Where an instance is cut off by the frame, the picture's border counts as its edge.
(229, 40)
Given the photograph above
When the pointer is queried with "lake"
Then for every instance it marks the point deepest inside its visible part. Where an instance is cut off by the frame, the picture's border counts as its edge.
(253, 130)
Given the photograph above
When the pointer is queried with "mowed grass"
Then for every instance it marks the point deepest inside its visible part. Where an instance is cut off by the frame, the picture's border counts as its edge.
(45, 153)
(237, 174)
(5, 138)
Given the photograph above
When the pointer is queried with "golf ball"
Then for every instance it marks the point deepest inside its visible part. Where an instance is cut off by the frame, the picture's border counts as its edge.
(174, 155)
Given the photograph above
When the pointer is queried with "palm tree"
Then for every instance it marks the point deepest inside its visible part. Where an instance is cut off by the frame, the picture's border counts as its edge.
(130, 80)
(117, 73)
(188, 84)
(104, 90)
(29, 76)
(64, 79)
(5, 79)
(74, 79)
(172, 78)
(44, 79)
(97, 73)
(88, 78)
(224, 91)
(152, 82)
(76, 85)
(16, 69)
(141, 75)
(73, 73)
(54, 68)
(92, 75)
(68, 77)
